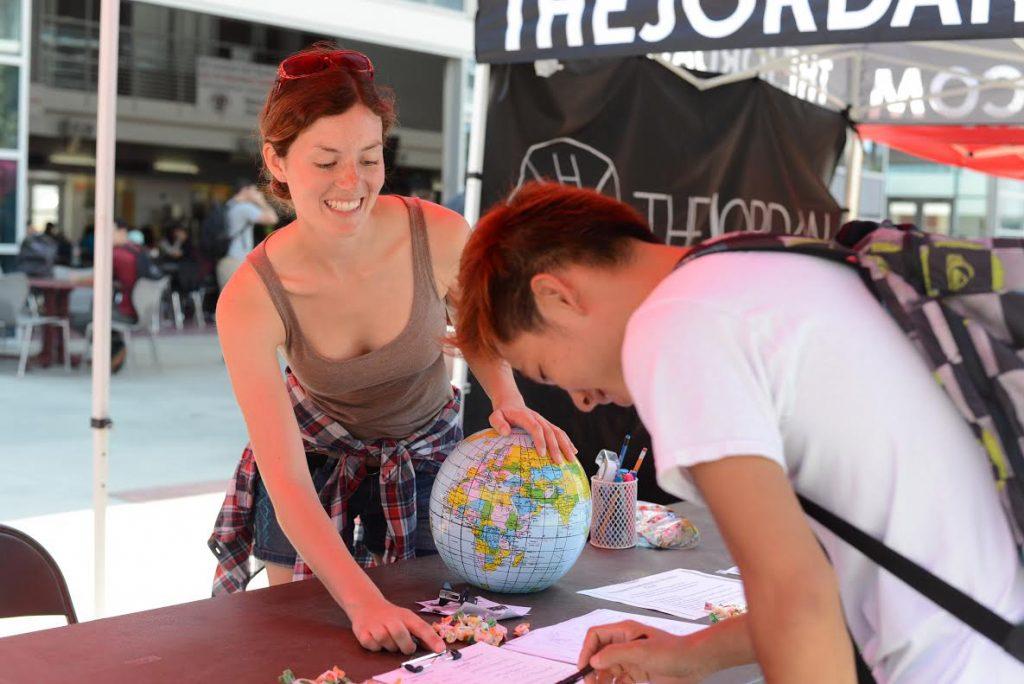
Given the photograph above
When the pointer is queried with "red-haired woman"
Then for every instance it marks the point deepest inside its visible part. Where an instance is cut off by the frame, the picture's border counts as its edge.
(353, 293)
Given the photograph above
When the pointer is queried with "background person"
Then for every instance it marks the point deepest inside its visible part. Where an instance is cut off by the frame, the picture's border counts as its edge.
(243, 211)
(64, 247)
(758, 375)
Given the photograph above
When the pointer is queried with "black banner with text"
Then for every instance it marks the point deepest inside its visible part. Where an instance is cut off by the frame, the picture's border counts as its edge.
(527, 30)
(744, 156)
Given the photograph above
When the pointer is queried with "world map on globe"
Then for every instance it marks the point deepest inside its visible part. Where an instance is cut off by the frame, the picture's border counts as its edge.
(504, 518)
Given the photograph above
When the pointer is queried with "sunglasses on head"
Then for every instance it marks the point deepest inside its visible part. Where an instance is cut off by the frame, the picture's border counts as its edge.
(310, 63)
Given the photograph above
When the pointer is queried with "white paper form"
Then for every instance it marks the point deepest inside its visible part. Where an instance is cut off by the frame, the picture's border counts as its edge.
(564, 641)
(485, 663)
(678, 592)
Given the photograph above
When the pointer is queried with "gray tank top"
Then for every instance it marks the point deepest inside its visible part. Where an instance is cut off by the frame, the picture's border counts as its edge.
(389, 392)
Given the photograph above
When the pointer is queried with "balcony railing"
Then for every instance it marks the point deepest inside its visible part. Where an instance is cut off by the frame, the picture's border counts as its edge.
(150, 65)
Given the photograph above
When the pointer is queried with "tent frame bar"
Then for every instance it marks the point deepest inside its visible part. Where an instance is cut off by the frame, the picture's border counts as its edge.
(474, 184)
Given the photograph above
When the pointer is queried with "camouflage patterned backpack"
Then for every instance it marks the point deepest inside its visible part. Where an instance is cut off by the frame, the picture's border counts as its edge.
(961, 302)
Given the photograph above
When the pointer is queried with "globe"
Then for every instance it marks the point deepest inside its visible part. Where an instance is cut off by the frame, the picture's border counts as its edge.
(506, 519)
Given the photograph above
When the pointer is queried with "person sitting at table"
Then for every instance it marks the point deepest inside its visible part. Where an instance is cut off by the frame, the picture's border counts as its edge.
(740, 366)
(64, 248)
(176, 244)
(353, 293)
(125, 273)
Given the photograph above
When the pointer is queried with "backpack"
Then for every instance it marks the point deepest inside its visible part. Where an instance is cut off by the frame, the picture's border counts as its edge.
(214, 239)
(37, 256)
(145, 267)
(961, 302)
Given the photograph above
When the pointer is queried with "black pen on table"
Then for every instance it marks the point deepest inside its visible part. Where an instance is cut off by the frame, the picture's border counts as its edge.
(578, 677)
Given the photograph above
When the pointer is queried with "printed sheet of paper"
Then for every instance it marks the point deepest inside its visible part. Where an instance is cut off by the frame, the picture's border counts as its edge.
(485, 663)
(564, 641)
(678, 592)
(734, 570)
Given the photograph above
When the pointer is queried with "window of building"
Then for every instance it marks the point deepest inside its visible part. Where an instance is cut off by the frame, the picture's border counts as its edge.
(8, 201)
(970, 217)
(45, 205)
(233, 31)
(10, 26)
(1011, 208)
(8, 107)
(74, 8)
(874, 156)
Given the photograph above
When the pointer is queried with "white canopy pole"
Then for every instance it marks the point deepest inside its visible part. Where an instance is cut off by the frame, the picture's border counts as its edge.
(854, 166)
(106, 112)
(474, 179)
(855, 156)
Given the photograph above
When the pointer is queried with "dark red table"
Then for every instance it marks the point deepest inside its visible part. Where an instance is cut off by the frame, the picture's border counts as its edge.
(56, 294)
(253, 636)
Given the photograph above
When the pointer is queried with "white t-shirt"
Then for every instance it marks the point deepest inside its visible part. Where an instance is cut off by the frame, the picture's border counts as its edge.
(791, 358)
(240, 218)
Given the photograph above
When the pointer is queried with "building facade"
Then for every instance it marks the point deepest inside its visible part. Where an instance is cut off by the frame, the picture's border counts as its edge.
(190, 86)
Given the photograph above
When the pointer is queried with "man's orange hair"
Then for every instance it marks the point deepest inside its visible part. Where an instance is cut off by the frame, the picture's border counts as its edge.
(540, 228)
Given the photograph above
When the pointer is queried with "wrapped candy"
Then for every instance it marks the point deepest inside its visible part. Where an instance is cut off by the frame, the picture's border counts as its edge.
(470, 629)
(333, 676)
(660, 527)
(723, 611)
(521, 629)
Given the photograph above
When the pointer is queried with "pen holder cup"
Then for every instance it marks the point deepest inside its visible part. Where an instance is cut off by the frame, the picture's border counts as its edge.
(613, 522)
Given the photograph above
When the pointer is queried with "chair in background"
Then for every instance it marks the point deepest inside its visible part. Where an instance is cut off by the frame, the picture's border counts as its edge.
(18, 310)
(187, 280)
(31, 583)
(197, 297)
(146, 299)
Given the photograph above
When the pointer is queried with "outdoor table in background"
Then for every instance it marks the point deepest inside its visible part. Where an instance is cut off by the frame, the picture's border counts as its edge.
(56, 294)
(254, 636)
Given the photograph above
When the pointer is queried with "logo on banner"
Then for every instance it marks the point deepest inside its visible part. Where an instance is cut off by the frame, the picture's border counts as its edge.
(570, 162)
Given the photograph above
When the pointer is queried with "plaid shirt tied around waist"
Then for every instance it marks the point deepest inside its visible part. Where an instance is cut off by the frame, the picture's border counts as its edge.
(400, 461)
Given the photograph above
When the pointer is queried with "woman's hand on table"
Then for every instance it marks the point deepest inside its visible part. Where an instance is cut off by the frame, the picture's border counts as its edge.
(627, 652)
(547, 437)
(379, 624)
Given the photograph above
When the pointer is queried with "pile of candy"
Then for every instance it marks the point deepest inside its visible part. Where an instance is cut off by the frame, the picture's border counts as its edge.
(470, 629)
(659, 527)
(723, 611)
(333, 676)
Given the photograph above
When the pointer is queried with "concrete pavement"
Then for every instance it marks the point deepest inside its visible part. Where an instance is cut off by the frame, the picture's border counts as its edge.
(177, 436)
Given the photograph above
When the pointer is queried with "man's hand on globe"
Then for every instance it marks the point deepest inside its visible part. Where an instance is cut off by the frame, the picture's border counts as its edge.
(547, 437)
(379, 624)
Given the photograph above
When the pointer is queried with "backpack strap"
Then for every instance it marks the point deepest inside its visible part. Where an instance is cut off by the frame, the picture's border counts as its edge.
(986, 622)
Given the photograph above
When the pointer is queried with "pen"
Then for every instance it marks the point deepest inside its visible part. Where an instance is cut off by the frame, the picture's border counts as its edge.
(622, 451)
(639, 460)
(572, 679)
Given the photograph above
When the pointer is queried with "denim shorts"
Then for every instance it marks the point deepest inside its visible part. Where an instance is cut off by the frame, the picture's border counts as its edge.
(270, 544)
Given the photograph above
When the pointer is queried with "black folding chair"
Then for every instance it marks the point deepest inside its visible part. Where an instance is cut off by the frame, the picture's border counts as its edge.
(30, 581)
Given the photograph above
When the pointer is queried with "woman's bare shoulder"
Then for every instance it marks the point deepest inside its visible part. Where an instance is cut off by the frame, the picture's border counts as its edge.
(245, 310)
(447, 232)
